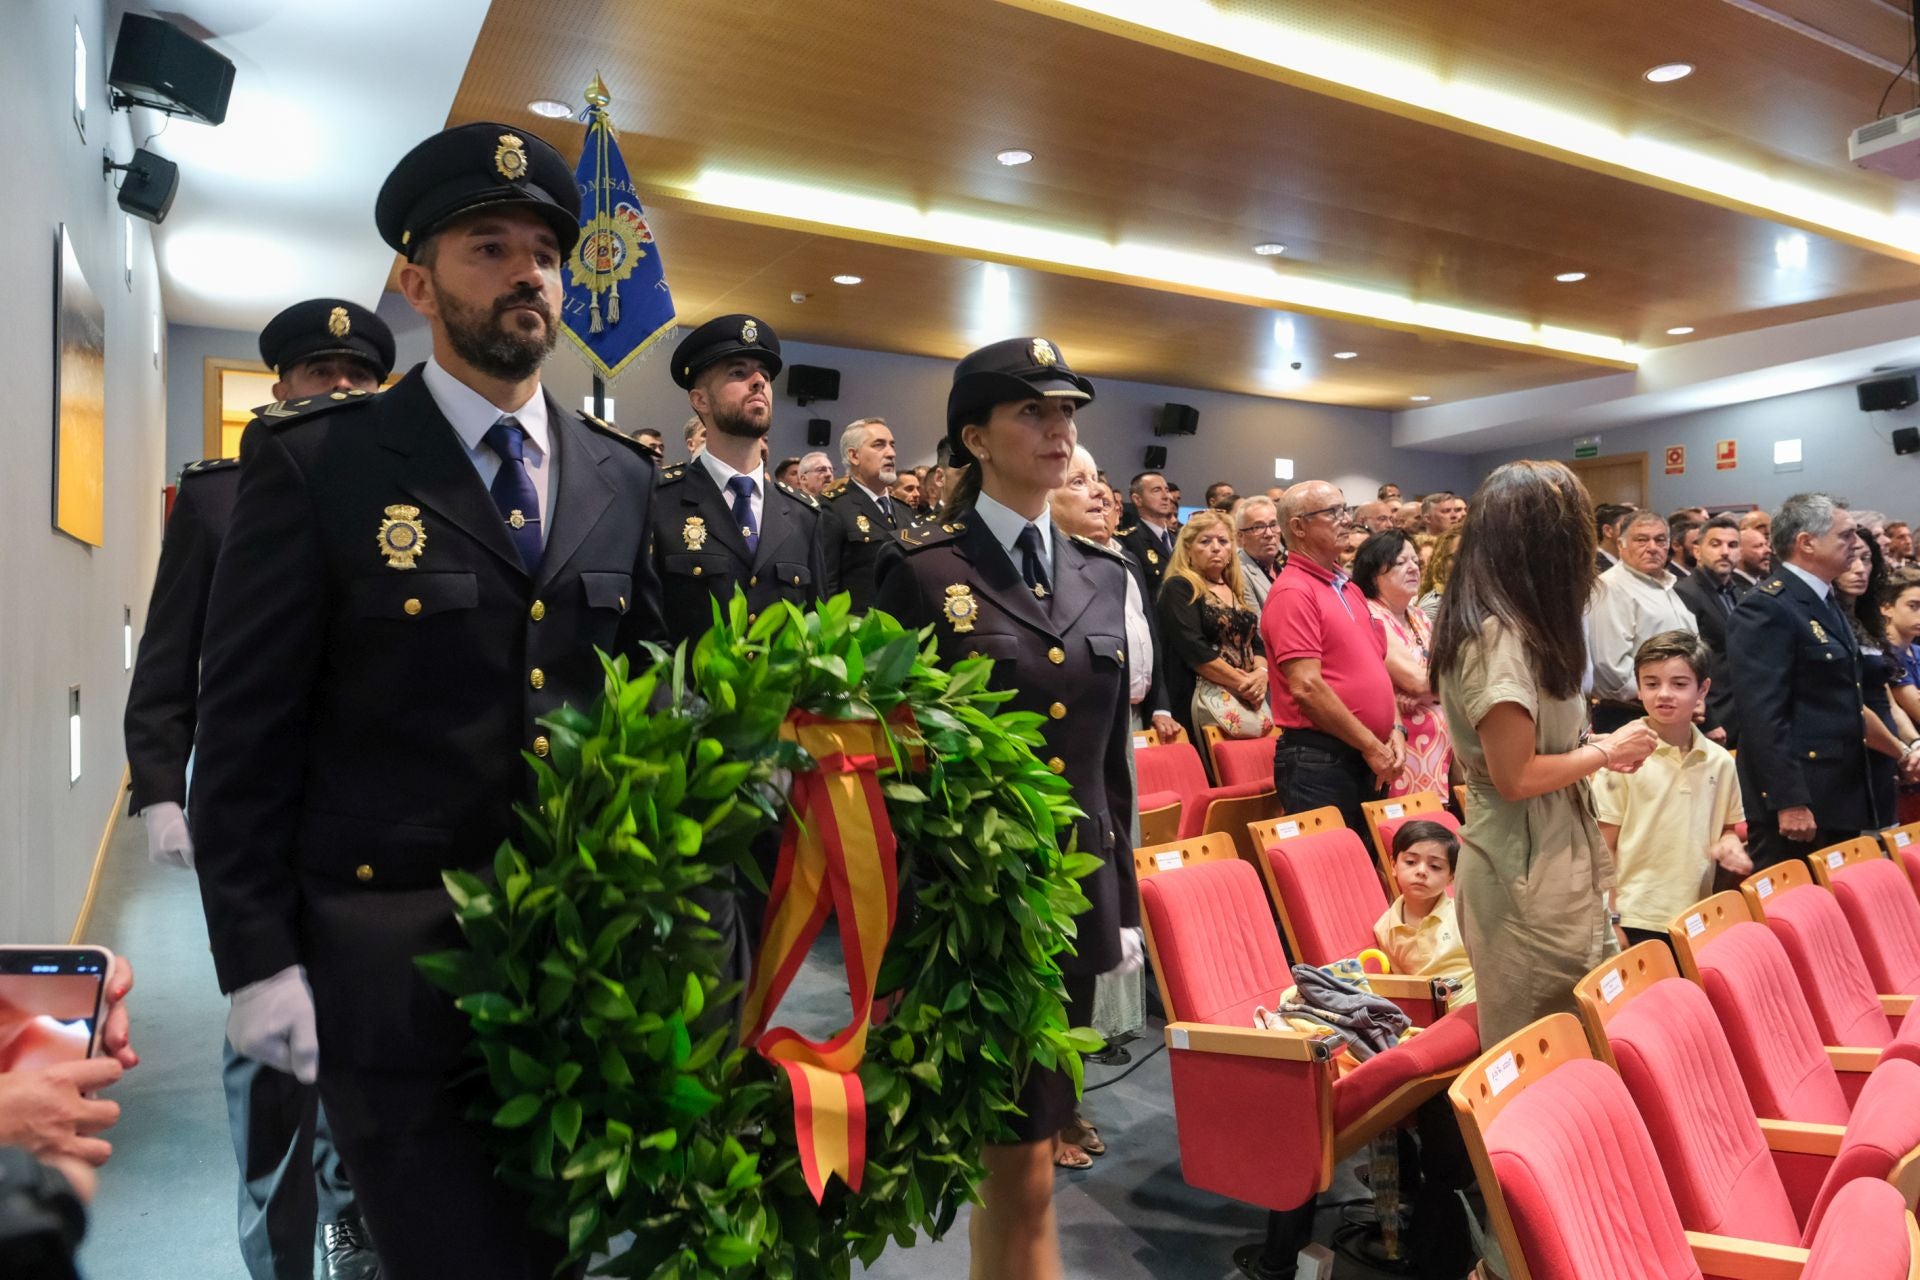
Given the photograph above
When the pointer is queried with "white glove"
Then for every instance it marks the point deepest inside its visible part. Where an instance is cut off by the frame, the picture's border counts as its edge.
(1133, 952)
(271, 1021)
(168, 842)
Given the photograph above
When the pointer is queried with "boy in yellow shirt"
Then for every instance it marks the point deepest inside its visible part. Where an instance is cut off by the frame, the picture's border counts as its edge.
(1671, 821)
(1419, 932)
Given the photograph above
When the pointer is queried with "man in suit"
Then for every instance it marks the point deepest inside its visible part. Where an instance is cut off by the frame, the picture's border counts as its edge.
(1710, 594)
(858, 515)
(1150, 538)
(1796, 690)
(291, 1178)
(719, 523)
(411, 582)
(1606, 520)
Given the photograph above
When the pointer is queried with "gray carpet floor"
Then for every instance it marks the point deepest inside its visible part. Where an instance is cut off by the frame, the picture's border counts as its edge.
(166, 1204)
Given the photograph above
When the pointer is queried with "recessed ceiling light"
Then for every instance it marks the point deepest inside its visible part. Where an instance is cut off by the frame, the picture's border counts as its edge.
(551, 108)
(1667, 72)
(1345, 355)
(1013, 156)
(1571, 277)
(1420, 399)
(1269, 249)
(846, 279)
(1680, 331)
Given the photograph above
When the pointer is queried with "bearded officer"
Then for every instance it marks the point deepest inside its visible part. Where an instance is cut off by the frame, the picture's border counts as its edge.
(291, 1177)
(412, 580)
(720, 522)
(858, 516)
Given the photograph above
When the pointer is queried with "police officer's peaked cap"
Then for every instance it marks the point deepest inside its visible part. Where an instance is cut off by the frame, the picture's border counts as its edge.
(476, 166)
(1016, 369)
(722, 339)
(327, 327)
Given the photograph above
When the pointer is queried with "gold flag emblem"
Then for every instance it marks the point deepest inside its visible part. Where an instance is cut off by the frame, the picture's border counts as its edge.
(510, 158)
(338, 324)
(402, 537)
(960, 607)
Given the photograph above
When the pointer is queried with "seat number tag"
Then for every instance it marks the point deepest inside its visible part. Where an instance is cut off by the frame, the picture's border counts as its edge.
(1612, 985)
(1168, 861)
(1836, 860)
(1901, 839)
(1764, 889)
(1697, 924)
(1502, 1073)
(1287, 830)
(1393, 811)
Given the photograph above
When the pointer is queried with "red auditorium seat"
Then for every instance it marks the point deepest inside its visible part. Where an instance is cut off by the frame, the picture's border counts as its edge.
(1878, 901)
(1574, 1189)
(1731, 1173)
(1174, 769)
(1263, 1116)
(1903, 846)
(1214, 739)
(1239, 761)
(1384, 817)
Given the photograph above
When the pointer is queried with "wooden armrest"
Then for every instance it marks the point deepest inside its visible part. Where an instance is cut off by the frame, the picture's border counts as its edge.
(1896, 1006)
(1406, 986)
(1252, 1042)
(1851, 1057)
(1802, 1137)
(1746, 1259)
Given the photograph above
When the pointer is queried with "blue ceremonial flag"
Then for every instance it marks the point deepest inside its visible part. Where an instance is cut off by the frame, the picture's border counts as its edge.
(617, 302)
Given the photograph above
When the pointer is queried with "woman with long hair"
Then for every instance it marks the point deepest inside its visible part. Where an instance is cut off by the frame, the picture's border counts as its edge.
(1434, 572)
(1387, 571)
(1216, 668)
(1509, 659)
(1860, 591)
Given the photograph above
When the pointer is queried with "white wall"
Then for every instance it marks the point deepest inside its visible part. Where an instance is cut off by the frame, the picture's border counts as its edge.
(1846, 452)
(61, 602)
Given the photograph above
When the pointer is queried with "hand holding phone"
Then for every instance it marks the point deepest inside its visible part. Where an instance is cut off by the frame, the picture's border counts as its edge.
(52, 1002)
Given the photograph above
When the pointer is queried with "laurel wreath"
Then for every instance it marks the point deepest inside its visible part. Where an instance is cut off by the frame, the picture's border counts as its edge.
(589, 971)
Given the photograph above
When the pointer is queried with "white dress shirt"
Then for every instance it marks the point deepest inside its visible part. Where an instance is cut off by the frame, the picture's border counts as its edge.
(472, 415)
(1139, 647)
(1821, 589)
(1630, 609)
(721, 473)
(1005, 524)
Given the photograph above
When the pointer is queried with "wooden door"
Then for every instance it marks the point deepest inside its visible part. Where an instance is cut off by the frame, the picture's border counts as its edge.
(1618, 477)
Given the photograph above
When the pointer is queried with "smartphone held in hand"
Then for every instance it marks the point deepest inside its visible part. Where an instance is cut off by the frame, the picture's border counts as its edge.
(52, 1004)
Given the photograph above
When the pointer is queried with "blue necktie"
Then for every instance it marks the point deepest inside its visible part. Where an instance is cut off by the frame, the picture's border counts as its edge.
(1033, 562)
(513, 491)
(742, 489)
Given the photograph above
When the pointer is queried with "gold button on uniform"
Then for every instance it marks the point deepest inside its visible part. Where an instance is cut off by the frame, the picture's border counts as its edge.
(538, 611)
(540, 746)
(754, 581)
(537, 678)
(411, 607)
(363, 873)
(696, 571)
(1058, 711)
(1057, 765)
(1056, 655)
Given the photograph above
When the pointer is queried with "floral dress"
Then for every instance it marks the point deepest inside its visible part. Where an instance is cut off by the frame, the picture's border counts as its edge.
(1429, 748)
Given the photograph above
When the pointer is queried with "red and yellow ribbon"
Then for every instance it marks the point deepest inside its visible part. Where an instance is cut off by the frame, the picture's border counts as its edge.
(837, 855)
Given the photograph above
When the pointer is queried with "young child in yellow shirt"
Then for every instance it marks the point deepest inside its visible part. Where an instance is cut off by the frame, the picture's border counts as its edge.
(1419, 932)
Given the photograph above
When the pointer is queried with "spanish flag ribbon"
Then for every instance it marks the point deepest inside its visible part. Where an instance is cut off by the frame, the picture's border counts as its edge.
(837, 855)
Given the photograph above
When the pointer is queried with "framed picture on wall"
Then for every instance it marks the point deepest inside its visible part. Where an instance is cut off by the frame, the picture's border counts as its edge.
(79, 400)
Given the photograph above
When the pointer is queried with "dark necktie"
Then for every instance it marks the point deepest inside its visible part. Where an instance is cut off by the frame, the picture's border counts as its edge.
(513, 491)
(1845, 634)
(1033, 565)
(1725, 595)
(742, 489)
(886, 508)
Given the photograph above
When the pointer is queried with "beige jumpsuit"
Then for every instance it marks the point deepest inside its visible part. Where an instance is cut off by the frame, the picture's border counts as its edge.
(1534, 875)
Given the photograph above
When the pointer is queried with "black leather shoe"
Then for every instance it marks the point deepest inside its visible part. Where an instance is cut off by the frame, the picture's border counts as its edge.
(1112, 1056)
(347, 1252)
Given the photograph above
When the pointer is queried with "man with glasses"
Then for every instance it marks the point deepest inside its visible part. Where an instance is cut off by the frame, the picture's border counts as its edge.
(1343, 741)
(1261, 555)
(1374, 517)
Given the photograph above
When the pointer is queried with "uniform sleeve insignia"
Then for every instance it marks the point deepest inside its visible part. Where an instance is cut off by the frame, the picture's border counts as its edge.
(402, 537)
(283, 409)
(960, 607)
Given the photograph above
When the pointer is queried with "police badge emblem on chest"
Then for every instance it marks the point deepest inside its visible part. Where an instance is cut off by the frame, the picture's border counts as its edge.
(403, 539)
(695, 533)
(960, 607)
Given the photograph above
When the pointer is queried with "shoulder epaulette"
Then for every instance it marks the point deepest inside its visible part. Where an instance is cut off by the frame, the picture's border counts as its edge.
(929, 533)
(1091, 545)
(1126, 532)
(603, 425)
(801, 494)
(671, 473)
(1774, 586)
(206, 465)
(283, 411)
(835, 488)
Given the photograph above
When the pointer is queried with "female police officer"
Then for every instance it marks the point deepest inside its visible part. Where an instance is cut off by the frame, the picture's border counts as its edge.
(998, 578)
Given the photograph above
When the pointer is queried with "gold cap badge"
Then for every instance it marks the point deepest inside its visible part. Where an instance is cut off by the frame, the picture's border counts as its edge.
(338, 324)
(510, 158)
(695, 533)
(402, 537)
(750, 331)
(960, 608)
(1043, 352)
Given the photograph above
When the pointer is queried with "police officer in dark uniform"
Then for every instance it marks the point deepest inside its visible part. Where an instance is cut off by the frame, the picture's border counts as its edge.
(1000, 579)
(1156, 525)
(1796, 691)
(290, 1175)
(858, 516)
(719, 521)
(412, 580)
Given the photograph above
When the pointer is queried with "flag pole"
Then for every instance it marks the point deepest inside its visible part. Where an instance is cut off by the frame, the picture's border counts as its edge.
(599, 398)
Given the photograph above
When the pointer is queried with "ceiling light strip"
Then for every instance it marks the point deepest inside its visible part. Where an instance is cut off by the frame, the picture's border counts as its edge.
(1237, 279)
(1296, 54)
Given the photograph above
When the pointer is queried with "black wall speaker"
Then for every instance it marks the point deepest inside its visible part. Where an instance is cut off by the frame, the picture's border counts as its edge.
(148, 188)
(1155, 457)
(1888, 393)
(807, 382)
(820, 430)
(1906, 440)
(156, 64)
(1176, 420)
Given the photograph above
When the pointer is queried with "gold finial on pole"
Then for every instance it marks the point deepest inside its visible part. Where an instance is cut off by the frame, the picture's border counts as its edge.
(597, 94)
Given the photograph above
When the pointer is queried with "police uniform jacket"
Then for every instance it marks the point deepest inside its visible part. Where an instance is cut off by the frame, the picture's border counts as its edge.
(1796, 688)
(362, 722)
(1702, 598)
(1067, 662)
(853, 529)
(1147, 548)
(702, 554)
(165, 687)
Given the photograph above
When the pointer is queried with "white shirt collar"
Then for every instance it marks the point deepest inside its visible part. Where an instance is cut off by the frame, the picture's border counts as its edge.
(870, 493)
(723, 472)
(1005, 524)
(472, 415)
(1821, 589)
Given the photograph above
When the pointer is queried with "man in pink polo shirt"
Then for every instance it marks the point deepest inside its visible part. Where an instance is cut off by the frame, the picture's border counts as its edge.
(1342, 742)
